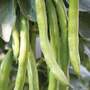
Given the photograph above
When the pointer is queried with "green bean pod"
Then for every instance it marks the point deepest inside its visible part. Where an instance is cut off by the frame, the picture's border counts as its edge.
(5, 69)
(53, 28)
(62, 18)
(15, 42)
(54, 39)
(64, 53)
(31, 67)
(32, 72)
(47, 50)
(73, 38)
(20, 79)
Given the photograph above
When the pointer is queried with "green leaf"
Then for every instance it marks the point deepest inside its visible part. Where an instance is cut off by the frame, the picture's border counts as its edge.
(27, 8)
(85, 37)
(85, 25)
(84, 5)
(7, 18)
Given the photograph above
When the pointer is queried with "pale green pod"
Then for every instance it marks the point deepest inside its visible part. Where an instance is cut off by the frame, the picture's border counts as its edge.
(22, 65)
(54, 39)
(15, 42)
(73, 37)
(47, 50)
(5, 69)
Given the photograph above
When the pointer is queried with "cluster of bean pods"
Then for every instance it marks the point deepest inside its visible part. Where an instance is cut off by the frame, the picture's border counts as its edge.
(62, 47)
(58, 33)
